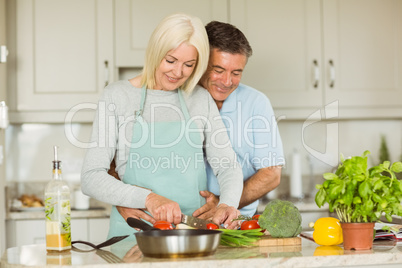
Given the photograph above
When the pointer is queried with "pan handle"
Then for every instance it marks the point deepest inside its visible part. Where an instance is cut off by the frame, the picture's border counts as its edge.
(136, 223)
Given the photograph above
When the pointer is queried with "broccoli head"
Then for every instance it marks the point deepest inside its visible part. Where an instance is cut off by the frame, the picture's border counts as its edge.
(281, 219)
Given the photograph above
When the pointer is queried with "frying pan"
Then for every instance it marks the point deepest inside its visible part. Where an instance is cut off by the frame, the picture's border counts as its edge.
(181, 243)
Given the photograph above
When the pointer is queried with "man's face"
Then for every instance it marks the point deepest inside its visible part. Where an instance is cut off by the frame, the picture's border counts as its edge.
(223, 74)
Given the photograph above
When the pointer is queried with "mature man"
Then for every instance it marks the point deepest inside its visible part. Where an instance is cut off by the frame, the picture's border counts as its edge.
(248, 116)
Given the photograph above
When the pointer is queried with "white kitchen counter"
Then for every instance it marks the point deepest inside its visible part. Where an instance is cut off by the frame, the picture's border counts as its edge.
(126, 254)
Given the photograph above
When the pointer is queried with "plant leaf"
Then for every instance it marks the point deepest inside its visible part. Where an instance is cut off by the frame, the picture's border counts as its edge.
(376, 198)
(364, 190)
(366, 153)
(360, 177)
(396, 167)
(357, 200)
(386, 164)
(378, 185)
(368, 206)
(334, 191)
(388, 217)
(330, 176)
(320, 197)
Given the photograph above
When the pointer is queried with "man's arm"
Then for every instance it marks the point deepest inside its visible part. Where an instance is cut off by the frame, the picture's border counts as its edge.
(261, 183)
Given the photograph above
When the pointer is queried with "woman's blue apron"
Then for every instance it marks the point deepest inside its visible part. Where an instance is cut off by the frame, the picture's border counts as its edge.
(166, 157)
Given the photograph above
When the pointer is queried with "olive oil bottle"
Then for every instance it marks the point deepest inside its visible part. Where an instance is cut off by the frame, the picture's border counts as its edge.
(57, 210)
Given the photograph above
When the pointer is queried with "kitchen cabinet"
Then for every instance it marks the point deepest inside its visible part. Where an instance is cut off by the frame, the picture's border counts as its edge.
(98, 229)
(61, 55)
(26, 232)
(136, 20)
(312, 53)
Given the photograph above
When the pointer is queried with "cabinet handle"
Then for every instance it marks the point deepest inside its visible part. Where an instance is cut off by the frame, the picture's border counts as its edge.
(106, 73)
(331, 74)
(316, 74)
(3, 54)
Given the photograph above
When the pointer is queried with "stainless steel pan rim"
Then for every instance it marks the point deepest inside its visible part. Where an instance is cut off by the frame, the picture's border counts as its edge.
(177, 243)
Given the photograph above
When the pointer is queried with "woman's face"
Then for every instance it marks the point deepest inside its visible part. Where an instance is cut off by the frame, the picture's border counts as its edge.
(176, 67)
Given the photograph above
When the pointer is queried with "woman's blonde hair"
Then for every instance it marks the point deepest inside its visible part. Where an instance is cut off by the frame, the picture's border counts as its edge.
(171, 32)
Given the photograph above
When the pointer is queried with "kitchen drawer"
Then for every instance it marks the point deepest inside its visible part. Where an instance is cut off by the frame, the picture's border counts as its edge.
(27, 232)
(98, 229)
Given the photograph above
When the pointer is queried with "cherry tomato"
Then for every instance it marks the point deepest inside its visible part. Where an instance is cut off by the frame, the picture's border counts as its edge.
(255, 217)
(212, 226)
(163, 225)
(248, 225)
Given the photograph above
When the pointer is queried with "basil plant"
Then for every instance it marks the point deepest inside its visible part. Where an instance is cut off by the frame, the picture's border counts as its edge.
(359, 194)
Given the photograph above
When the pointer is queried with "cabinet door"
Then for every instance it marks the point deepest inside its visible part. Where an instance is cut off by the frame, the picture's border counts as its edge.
(98, 229)
(79, 229)
(363, 40)
(25, 232)
(286, 40)
(62, 52)
(136, 20)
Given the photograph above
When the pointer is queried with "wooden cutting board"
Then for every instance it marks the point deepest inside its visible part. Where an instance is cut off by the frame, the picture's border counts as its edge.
(268, 241)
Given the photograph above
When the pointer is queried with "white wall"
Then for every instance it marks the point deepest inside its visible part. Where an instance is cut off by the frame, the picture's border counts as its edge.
(353, 138)
(29, 147)
(29, 151)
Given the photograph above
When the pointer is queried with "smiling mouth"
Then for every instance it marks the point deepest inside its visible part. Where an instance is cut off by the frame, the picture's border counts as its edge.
(222, 89)
(171, 79)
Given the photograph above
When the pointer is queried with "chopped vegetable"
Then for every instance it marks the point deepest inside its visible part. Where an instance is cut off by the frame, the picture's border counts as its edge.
(212, 226)
(281, 219)
(163, 225)
(240, 238)
(183, 226)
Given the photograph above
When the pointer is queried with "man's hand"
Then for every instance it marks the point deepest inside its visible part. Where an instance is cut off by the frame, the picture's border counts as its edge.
(134, 213)
(208, 210)
(224, 215)
(163, 209)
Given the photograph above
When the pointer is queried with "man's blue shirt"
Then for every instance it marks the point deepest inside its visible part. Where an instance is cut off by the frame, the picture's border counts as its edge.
(253, 132)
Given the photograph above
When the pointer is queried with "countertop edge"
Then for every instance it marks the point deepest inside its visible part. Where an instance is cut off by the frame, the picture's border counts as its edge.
(75, 214)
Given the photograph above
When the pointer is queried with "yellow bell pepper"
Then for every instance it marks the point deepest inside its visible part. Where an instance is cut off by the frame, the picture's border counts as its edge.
(327, 231)
(328, 250)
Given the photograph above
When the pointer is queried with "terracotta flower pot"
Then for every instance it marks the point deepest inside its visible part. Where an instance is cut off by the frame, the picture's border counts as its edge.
(358, 236)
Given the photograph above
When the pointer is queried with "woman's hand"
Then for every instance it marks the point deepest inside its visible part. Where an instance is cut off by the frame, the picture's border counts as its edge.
(225, 214)
(163, 209)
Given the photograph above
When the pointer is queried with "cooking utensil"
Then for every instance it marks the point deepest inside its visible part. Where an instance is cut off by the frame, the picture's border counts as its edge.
(108, 242)
(108, 256)
(195, 222)
(181, 243)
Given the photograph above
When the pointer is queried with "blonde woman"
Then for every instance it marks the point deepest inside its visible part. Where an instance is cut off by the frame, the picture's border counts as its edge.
(157, 127)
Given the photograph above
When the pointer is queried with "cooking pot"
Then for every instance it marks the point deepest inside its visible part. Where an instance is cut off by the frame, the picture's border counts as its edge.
(181, 243)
